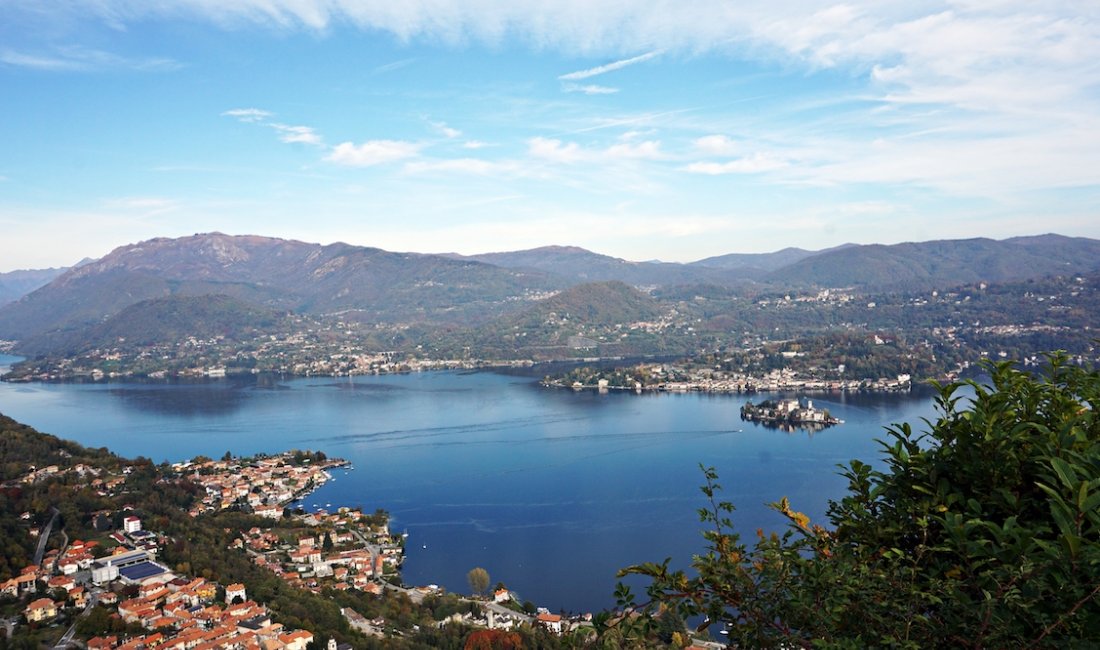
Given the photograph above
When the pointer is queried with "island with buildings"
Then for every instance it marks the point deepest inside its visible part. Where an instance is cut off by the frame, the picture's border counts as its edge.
(789, 414)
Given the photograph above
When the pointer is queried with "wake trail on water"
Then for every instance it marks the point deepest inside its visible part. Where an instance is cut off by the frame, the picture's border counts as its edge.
(431, 432)
(412, 438)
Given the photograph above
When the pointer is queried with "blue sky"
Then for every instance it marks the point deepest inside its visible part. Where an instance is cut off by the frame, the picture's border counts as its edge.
(648, 130)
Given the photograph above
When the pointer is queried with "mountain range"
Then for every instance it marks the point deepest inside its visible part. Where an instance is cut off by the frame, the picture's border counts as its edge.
(16, 284)
(257, 278)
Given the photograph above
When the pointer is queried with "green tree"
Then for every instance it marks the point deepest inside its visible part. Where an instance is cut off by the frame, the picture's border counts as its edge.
(982, 532)
(478, 579)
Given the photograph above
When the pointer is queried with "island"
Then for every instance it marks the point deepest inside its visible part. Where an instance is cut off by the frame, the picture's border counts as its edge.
(789, 414)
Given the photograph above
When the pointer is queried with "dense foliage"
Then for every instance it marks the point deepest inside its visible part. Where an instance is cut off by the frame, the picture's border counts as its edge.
(982, 532)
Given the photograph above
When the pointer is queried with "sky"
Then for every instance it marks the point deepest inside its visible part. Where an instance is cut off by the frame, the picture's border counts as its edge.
(664, 129)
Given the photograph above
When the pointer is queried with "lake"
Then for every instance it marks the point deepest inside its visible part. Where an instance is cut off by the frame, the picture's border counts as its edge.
(551, 491)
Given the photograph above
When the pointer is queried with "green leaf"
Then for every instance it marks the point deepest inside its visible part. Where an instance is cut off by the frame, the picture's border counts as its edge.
(1064, 471)
(1063, 517)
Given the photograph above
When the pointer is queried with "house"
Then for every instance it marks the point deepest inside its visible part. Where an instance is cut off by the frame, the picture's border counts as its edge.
(131, 524)
(235, 591)
(271, 512)
(40, 610)
(26, 582)
(551, 622)
(61, 582)
(502, 596)
(296, 640)
(79, 596)
(102, 642)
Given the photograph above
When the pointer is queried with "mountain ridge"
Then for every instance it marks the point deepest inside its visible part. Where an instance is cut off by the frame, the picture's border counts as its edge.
(372, 287)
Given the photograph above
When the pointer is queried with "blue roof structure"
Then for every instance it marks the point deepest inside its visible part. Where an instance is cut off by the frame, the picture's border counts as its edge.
(141, 571)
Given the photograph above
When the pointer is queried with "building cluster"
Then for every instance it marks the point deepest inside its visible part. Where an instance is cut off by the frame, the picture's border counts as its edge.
(342, 550)
(712, 381)
(788, 411)
(177, 612)
(184, 614)
(263, 485)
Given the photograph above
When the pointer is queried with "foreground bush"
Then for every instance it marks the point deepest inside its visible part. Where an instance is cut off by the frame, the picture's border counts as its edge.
(982, 532)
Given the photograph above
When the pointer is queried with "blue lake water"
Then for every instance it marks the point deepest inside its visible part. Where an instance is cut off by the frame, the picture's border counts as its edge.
(551, 491)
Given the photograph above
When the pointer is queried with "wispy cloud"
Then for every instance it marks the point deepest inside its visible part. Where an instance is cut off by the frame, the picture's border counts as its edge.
(78, 59)
(643, 119)
(288, 133)
(589, 89)
(609, 67)
(475, 166)
(394, 65)
(144, 205)
(372, 152)
(474, 144)
(444, 130)
(248, 114)
(302, 134)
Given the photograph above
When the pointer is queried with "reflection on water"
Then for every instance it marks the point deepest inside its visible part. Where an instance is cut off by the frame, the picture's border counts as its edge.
(180, 399)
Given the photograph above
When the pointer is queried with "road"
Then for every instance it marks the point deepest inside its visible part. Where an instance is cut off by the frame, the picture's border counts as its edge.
(44, 536)
(67, 638)
(501, 609)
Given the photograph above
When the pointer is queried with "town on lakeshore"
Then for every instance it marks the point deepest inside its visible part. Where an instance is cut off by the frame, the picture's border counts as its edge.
(687, 377)
(121, 577)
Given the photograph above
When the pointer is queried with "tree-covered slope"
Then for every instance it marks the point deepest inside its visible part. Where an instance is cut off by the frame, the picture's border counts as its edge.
(367, 283)
(159, 320)
(945, 263)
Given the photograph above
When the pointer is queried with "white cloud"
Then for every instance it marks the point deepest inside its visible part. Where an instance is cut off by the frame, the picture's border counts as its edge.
(716, 145)
(753, 164)
(589, 89)
(474, 144)
(372, 152)
(609, 67)
(444, 130)
(288, 133)
(302, 134)
(1040, 54)
(248, 114)
(646, 150)
(554, 150)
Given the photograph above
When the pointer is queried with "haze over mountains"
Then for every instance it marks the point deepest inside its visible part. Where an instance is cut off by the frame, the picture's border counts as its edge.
(263, 279)
(16, 284)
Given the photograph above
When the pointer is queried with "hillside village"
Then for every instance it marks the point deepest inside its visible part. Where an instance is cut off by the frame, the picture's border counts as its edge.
(117, 591)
